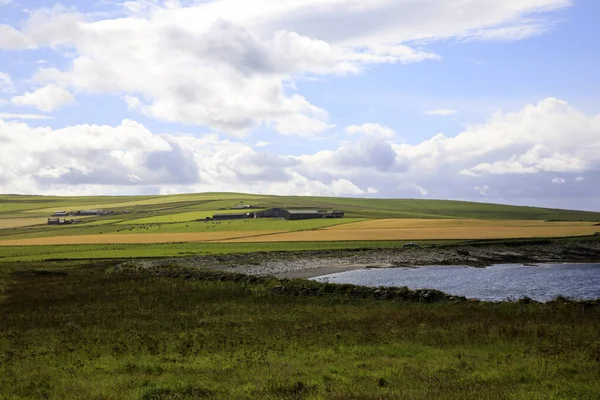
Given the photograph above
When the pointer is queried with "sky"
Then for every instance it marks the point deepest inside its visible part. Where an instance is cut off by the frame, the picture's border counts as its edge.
(479, 100)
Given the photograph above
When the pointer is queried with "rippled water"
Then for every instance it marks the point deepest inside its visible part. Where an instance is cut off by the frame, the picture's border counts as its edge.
(543, 282)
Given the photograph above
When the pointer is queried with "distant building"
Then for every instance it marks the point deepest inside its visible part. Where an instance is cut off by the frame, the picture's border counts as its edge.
(243, 207)
(271, 213)
(334, 214)
(302, 214)
(60, 213)
(92, 212)
(229, 217)
(58, 221)
(291, 214)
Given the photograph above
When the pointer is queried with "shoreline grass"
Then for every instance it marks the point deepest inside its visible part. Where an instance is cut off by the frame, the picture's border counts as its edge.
(81, 331)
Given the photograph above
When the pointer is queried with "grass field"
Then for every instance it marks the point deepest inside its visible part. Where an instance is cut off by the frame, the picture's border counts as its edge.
(154, 220)
(180, 217)
(80, 331)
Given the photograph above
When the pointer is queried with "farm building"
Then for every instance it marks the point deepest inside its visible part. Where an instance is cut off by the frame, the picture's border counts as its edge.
(229, 217)
(57, 221)
(302, 214)
(271, 213)
(298, 214)
(334, 214)
(60, 213)
(92, 212)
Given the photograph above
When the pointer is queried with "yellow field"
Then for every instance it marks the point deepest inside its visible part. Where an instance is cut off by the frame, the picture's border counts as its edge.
(387, 229)
(7, 223)
(432, 229)
(146, 238)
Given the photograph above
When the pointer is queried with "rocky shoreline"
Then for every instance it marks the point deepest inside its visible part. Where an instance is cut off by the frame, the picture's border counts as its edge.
(308, 264)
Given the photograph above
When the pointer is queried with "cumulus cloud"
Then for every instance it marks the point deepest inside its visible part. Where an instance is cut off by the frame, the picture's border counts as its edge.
(47, 98)
(371, 129)
(13, 116)
(229, 64)
(6, 83)
(512, 157)
(442, 112)
(12, 39)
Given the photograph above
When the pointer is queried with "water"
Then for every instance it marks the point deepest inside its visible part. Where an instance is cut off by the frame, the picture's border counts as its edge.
(543, 282)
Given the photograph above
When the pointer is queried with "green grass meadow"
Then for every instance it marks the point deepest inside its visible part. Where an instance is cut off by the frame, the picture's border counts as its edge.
(79, 331)
(71, 327)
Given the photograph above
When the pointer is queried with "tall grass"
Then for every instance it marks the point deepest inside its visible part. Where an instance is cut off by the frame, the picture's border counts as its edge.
(77, 331)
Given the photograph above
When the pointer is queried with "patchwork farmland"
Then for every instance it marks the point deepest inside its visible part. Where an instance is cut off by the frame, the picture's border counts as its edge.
(145, 222)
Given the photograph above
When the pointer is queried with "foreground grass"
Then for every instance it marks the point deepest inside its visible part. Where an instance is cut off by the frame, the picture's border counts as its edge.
(168, 250)
(119, 251)
(76, 331)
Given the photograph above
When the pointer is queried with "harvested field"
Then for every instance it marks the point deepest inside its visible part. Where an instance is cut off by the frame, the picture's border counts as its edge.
(7, 223)
(431, 230)
(417, 223)
(133, 238)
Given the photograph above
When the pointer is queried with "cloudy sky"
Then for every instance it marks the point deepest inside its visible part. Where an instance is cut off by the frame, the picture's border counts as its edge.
(485, 100)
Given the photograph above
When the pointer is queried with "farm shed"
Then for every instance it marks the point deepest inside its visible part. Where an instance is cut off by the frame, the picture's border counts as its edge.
(271, 213)
(60, 213)
(302, 214)
(91, 212)
(229, 217)
(334, 214)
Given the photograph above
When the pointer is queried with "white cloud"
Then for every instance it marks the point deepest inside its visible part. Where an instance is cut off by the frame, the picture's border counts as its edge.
(13, 116)
(371, 129)
(524, 152)
(580, 179)
(262, 144)
(5, 2)
(229, 64)
(483, 190)
(47, 98)
(442, 112)
(12, 39)
(6, 83)
(559, 181)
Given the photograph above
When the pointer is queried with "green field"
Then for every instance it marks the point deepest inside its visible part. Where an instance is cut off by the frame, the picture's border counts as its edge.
(83, 331)
(71, 326)
(177, 214)
(11, 205)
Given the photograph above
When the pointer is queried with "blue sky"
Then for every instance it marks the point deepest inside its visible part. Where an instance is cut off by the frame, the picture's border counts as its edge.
(485, 100)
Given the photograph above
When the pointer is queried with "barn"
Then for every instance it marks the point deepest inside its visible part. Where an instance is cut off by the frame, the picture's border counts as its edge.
(301, 214)
(271, 213)
(229, 217)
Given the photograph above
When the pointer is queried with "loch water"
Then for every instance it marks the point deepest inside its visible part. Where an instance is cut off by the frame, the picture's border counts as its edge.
(543, 282)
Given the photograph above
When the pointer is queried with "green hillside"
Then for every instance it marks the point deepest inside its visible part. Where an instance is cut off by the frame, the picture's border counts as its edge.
(147, 206)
